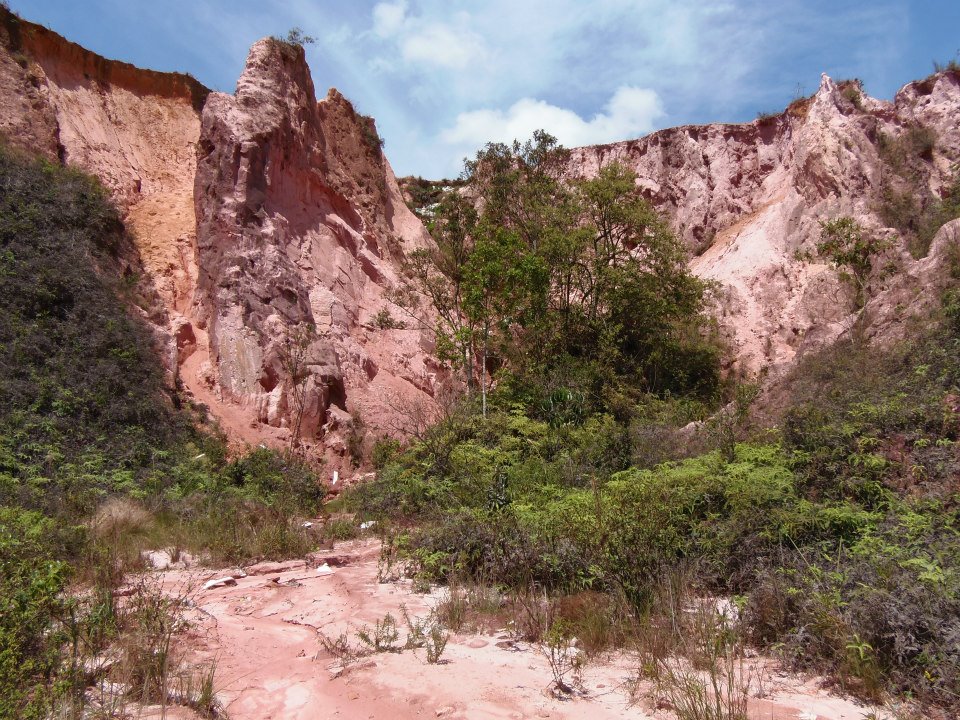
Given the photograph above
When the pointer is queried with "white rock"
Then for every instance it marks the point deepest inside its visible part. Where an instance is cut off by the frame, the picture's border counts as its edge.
(368, 524)
(219, 582)
(325, 569)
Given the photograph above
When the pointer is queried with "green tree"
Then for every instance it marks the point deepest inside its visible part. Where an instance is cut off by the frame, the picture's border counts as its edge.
(501, 283)
(844, 242)
(535, 272)
(439, 273)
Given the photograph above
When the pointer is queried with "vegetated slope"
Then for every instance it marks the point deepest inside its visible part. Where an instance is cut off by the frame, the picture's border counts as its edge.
(837, 534)
(82, 385)
(335, 228)
(573, 487)
(747, 200)
(86, 417)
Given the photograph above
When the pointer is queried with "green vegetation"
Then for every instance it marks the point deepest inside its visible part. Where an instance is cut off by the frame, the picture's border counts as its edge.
(906, 202)
(296, 36)
(98, 458)
(371, 136)
(851, 249)
(574, 294)
(841, 536)
(423, 195)
(598, 479)
(573, 484)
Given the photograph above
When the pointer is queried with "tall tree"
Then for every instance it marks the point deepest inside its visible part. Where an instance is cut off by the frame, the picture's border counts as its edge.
(531, 268)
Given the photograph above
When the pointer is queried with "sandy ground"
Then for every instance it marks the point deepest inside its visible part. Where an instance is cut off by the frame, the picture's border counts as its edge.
(264, 633)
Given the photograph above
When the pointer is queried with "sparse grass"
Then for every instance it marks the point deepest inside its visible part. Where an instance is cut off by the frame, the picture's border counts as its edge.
(341, 528)
(470, 604)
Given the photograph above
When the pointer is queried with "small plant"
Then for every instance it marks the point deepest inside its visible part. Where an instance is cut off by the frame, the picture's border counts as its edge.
(385, 321)
(952, 65)
(341, 528)
(197, 691)
(371, 138)
(565, 659)
(385, 450)
(707, 679)
(341, 649)
(428, 633)
(436, 642)
(356, 439)
(727, 425)
(383, 637)
(851, 249)
(852, 92)
(296, 36)
(468, 603)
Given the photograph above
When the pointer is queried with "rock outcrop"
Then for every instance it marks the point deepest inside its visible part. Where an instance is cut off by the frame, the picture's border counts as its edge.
(261, 220)
(270, 229)
(301, 230)
(747, 200)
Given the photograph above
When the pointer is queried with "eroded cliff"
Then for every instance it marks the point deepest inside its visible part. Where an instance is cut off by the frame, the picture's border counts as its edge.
(748, 200)
(261, 220)
(301, 230)
(271, 231)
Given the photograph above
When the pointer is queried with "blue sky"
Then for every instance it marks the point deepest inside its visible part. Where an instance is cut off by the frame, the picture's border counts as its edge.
(444, 76)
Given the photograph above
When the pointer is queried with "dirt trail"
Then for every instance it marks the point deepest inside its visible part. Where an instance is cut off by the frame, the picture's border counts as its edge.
(264, 634)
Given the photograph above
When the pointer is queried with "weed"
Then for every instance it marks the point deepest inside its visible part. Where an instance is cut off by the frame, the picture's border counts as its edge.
(341, 528)
(565, 659)
(708, 679)
(340, 648)
(469, 603)
(383, 637)
(436, 643)
(384, 320)
(428, 633)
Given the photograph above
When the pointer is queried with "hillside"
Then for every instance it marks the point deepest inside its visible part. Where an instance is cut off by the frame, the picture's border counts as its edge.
(667, 428)
(310, 191)
(747, 201)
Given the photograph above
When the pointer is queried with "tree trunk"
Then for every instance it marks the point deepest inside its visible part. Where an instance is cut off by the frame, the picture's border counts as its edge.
(483, 372)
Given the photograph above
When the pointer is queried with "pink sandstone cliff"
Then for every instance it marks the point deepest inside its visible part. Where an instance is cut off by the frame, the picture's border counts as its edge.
(266, 214)
(747, 200)
(253, 214)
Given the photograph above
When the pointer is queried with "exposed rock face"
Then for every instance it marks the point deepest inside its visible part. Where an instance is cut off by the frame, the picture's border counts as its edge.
(135, 129)
(264, 216)
(301, 226)
(747, 200)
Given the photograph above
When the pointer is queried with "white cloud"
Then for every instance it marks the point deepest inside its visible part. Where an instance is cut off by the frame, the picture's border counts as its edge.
(442, 45)
(425, 42)
(388, 18)
(632, 111)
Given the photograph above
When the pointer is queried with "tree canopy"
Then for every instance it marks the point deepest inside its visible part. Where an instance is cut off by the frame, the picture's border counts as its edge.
(558, 283)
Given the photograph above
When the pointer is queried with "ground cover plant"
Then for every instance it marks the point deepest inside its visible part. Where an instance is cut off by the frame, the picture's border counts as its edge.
(835, 529)
(99, 459)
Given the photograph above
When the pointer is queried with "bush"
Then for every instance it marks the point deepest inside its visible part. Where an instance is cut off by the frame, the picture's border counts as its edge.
(278, 479)
(32, 613)
(385, 450)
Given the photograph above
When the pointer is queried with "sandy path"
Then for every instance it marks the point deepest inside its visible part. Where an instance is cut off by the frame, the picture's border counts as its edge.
(271, 665)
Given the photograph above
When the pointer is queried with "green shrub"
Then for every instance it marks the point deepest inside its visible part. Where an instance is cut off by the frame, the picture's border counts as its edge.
(385, 450)
(278, 479)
